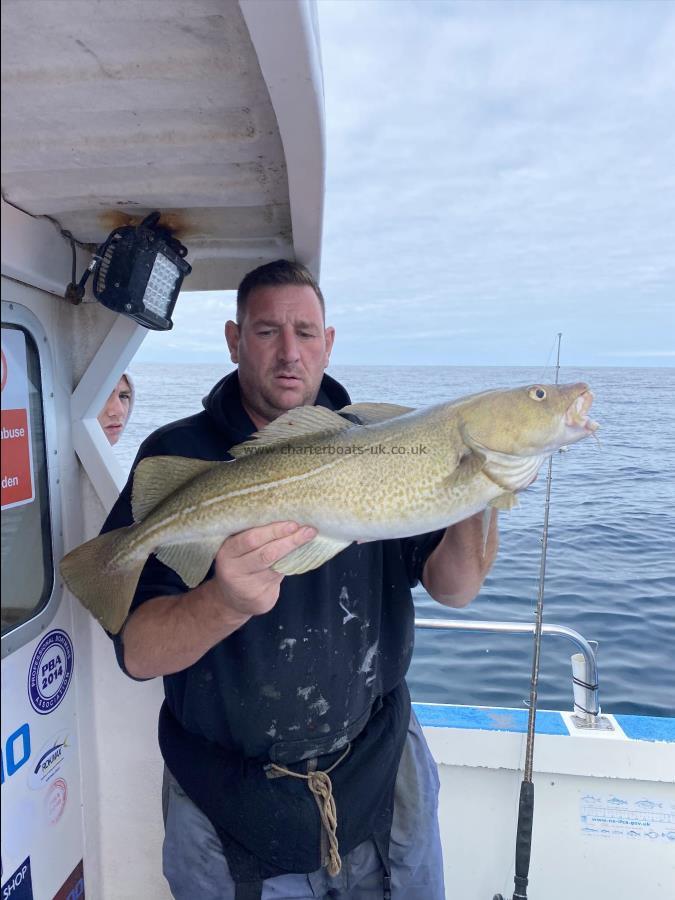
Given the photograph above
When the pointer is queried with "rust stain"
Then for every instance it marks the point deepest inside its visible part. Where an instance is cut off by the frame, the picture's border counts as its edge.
(176, 222)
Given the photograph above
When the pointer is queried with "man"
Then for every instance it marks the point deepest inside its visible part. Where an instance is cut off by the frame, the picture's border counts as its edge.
(117, 410)
(294, 765)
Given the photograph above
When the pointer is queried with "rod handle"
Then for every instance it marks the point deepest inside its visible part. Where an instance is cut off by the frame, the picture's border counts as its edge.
(524, 835)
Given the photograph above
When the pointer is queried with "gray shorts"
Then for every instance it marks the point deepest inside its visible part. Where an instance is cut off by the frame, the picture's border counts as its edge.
(195, 866)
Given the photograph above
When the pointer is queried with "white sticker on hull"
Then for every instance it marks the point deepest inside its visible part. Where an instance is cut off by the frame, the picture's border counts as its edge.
(55, 801)
(645, 819)
(49, 761)
(51, 670)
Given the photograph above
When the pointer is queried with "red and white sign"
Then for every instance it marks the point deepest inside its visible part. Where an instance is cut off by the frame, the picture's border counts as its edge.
(17, 457)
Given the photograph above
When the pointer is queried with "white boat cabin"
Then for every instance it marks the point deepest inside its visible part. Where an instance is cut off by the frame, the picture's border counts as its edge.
(211, 112)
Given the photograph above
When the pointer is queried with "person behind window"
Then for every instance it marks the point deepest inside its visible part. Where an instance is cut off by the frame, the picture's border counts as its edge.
(117, 410)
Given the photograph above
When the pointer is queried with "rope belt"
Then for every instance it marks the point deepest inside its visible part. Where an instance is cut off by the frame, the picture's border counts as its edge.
(321, 787)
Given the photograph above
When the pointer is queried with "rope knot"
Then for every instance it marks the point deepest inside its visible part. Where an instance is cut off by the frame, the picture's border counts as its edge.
(321, 787)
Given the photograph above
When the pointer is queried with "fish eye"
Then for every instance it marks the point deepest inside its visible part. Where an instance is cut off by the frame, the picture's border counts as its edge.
(537, 393)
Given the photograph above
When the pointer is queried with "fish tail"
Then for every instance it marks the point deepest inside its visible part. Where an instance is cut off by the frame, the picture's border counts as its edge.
(105, 590)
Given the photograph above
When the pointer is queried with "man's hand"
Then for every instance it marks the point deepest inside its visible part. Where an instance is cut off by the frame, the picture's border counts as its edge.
(248, 584)
(168, 634)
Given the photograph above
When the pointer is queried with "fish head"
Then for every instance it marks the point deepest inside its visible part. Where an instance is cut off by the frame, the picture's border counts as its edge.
(529, 421)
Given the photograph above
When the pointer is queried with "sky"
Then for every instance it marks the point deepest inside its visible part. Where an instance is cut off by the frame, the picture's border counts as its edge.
(497, 172)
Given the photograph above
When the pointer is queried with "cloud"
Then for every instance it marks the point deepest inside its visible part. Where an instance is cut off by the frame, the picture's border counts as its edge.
(198, 332)
(507, 161)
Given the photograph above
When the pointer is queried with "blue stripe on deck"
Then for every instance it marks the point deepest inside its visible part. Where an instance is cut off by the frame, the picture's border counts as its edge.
(483, 719)
(648, 728)
(637, 728)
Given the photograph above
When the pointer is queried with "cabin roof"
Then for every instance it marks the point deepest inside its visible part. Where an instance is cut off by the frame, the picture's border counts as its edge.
(112, 110)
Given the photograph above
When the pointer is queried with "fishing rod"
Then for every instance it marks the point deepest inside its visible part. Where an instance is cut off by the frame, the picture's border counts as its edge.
(526, 800)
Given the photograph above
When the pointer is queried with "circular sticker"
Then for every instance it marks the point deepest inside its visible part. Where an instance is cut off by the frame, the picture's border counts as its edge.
(55, 801)
(51, 669)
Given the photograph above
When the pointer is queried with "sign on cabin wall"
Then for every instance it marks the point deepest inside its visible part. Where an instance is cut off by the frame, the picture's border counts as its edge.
(42, 846)
(18, 484)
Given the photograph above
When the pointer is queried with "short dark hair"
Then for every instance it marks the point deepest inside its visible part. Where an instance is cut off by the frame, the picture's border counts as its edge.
(277, 273)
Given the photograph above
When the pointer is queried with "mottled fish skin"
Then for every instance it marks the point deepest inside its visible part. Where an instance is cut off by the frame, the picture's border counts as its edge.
(345, 485)
(358, 482)
(419, 471)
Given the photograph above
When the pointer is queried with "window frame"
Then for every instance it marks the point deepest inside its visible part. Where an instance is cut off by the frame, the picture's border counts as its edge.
(14, 313)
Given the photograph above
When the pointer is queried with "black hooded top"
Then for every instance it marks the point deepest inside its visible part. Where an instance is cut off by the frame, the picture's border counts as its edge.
(301, 680)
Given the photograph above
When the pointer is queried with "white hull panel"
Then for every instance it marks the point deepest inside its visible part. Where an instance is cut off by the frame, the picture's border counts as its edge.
(604, 819)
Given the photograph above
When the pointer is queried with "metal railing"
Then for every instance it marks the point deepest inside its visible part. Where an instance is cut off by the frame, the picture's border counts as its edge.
(589, 683)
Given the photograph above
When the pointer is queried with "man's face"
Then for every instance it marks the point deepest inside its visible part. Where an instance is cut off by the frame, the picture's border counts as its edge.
(113, 416)
(282, 349)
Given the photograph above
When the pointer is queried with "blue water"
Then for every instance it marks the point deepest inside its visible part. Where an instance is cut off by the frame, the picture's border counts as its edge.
(611, 548)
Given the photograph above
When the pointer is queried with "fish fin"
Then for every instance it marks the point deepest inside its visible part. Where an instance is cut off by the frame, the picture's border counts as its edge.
(504, 501)
(486, 521)
(296, 423)
(157, 477)
(106, 593)
(469, 465)
(371, 413)
(191, 561)
(309, 556)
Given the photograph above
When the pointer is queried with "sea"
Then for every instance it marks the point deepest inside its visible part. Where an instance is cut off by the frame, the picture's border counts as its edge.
(610, 565)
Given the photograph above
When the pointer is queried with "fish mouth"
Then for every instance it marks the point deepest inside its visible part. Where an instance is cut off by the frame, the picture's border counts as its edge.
(577, 416)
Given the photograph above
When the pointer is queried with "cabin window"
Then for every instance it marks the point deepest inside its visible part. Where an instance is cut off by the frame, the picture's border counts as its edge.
(27, 563)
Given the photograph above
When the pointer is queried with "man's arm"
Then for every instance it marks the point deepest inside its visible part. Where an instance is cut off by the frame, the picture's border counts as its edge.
(455, 571)
(168, 634)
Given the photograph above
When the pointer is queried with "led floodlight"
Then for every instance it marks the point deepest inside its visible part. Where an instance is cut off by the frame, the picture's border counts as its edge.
(138, 271)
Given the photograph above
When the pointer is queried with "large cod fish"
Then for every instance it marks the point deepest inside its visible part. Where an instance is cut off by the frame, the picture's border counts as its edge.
(400, 473)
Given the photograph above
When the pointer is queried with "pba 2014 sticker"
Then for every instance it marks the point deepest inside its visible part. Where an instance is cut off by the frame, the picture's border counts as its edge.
(50, 673)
